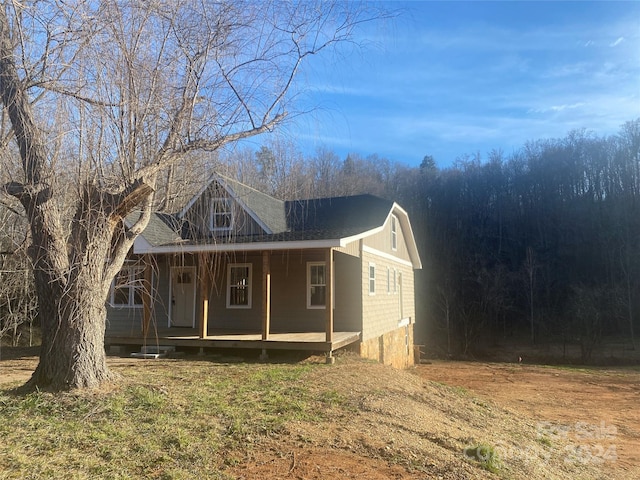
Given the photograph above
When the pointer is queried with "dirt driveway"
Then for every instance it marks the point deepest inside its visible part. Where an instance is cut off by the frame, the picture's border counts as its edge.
(597, 410)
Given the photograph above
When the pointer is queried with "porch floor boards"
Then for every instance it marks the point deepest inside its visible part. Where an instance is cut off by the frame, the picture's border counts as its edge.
(188, 337)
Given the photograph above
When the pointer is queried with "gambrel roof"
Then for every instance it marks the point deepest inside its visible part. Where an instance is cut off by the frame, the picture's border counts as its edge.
(296, 224)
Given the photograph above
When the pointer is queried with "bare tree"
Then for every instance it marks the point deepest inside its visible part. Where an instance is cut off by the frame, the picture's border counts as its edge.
(530, 268)
(17, 302)
(105, 97)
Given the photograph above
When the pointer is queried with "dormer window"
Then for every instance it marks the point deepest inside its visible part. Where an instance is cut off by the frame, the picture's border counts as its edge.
(221, 215)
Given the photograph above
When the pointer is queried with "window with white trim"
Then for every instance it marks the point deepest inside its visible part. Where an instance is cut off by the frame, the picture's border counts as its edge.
(316, 285)
(221, 215)
(394, 232)
(127, 287)
(239, 285)
(372, 279)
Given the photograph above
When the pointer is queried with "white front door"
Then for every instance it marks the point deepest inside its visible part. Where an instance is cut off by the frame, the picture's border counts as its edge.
(183, 296)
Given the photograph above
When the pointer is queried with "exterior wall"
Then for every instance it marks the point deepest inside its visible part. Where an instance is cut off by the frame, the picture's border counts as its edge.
(352, 249)
(381, 241)
(389, 313)
(125, 320)
(234, 319)
(392, 348)
(347, 316)
(385, 310)
(289, 312)
(161, 299)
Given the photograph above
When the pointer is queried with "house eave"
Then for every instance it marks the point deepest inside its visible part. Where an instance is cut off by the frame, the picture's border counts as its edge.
(238, 247)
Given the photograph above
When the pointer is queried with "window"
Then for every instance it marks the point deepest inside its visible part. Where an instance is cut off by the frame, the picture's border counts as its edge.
(127, 287)
(221, 215)
(316, 285)
(394, 232)
(388, 280)
(395, 281)
(372, 279)
(239, 285)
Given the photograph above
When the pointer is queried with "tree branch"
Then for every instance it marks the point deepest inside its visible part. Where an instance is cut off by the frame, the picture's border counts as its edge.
(168, 157)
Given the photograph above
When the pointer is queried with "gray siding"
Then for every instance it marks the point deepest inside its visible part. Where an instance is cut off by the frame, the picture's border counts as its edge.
(289, 312)
(124, 320)
(348, 298)
(235, 319)
(381, 241)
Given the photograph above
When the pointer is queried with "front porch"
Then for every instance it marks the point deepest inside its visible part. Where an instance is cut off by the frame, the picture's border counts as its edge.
(190, 337)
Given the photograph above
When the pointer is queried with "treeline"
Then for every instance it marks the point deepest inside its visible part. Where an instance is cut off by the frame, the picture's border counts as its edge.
(545, 241)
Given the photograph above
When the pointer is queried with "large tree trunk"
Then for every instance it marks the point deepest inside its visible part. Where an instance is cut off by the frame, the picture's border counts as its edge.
(72, 353)
(72, 310)
(73, 317)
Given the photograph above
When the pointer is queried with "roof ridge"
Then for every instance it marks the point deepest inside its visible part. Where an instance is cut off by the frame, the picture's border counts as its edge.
(340, 197)
(233, 180)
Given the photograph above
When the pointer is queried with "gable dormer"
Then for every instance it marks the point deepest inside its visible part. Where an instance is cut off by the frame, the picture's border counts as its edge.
(229, 209)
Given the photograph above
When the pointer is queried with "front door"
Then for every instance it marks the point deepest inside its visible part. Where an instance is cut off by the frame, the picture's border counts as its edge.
(183, 296)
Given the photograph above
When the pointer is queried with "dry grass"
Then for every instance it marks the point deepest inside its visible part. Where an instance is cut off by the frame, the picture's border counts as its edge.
(204, 418)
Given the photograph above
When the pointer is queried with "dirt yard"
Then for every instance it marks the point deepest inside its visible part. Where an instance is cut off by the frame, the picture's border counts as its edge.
(596, 409)
(590, 416)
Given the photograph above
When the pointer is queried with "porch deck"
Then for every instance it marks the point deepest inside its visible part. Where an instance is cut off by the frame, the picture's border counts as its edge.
(188, 337)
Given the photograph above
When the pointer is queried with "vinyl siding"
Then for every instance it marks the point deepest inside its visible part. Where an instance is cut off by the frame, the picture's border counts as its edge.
(129, 319)
(381, 241)
(125, 320)
(289, 312)
(352, 249)
(383, 311)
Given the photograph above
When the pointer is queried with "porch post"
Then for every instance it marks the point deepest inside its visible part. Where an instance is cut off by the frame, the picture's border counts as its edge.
(329, 295)
(203, 315)
(266, 297)
(146, 296)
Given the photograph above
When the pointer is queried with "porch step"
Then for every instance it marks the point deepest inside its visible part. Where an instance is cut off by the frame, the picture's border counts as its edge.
(158, 349)
(152, 356)
(154, 351)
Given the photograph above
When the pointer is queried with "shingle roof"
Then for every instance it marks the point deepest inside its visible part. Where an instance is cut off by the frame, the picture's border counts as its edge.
(328, 220)
(162, 228)
(269, 210)
(297, 220)
(337, 217)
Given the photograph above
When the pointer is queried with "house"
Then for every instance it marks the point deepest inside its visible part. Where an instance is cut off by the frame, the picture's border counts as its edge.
(240, 269)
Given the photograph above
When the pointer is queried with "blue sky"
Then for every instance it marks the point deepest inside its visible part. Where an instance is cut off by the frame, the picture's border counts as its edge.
(454, 78)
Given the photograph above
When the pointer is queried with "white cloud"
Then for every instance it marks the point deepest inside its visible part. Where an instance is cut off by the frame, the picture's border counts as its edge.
(557, 108)
(617, 42)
